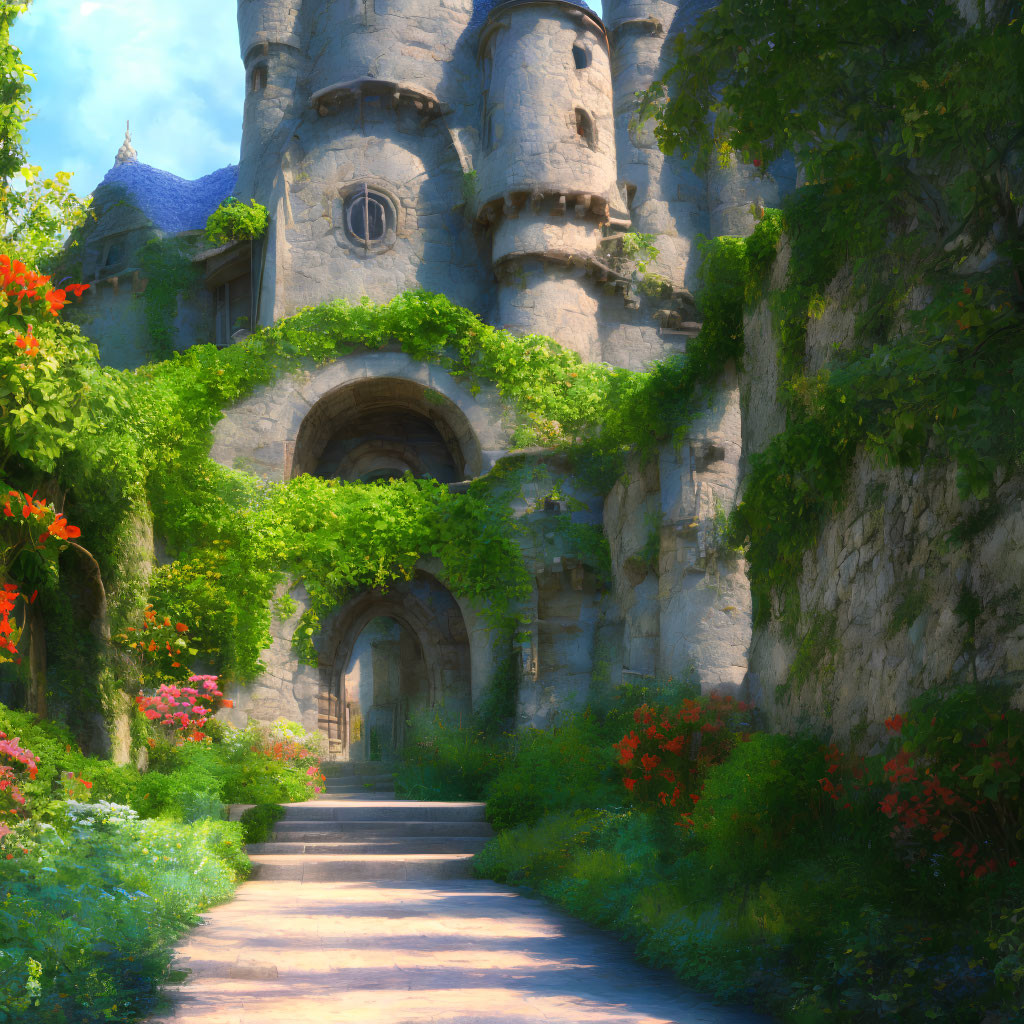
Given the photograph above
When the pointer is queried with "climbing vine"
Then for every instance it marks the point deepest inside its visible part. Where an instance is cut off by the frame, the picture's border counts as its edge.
(168, 267)
(913, 195)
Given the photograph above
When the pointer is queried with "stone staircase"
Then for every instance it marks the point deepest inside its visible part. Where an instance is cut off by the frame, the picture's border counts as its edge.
(358, 831)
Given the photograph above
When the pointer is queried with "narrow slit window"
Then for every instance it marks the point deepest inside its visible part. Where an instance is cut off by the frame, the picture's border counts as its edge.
(258, 78)
(585, 127)
(580, 58)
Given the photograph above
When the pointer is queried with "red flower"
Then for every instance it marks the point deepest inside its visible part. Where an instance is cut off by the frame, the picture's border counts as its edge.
(894, 724)
(629, 784)
(181, 627)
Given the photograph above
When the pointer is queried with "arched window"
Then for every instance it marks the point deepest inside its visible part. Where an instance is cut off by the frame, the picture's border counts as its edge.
(366, 217)
(258, 78)
(585, 127)
(580, 57)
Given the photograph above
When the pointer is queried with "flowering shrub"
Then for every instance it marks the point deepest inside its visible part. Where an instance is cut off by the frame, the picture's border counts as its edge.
(75, 787)
(272, 763)
(665, 760)
(20, 535)
(955, 779)
(183, 710)
(161, 647)
(30, 293)
(15, 761)
(102, 814)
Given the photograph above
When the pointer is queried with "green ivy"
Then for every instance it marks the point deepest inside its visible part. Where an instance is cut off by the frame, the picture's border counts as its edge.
(167, 265)
(914, 179)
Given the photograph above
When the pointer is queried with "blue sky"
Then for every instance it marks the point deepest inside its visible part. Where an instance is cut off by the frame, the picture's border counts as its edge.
(170, 66)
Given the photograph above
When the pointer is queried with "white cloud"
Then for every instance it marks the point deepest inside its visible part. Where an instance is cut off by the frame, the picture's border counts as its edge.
(171, 68)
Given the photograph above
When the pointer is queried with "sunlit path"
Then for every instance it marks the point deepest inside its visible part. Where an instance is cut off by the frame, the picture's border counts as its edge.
(392, 938)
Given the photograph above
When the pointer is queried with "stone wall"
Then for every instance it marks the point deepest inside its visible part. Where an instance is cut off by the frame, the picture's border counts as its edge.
(909, 586)
(683, 597)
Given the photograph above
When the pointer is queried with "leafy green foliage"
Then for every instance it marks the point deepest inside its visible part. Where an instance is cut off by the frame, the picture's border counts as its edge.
(258, 822)
(913, 164)
(87, 922)
(14, 93)
(235, 221)
(550, 770)
(446, 759)
(167, 264)
(788, 891)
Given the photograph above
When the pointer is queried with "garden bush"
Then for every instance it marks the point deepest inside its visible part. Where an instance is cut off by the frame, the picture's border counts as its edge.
(446, 759)
(548, 770)
(88, 917)
(802, 884)
(258, 822)
(103, 866)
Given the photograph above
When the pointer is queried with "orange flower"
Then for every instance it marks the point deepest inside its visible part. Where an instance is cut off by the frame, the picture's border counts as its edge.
(181, 628)
(28, 341)
(56, 299)
(60, 529)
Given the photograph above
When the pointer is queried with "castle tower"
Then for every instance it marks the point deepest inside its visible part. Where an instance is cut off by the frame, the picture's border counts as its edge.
(270, 40)
(666, 198)
(348, 142)
(547, 164)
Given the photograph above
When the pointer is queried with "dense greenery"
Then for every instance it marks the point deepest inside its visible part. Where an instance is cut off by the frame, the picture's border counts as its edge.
(805, 882)
(914, 169)
(141, 442)
(170, 273)
(103, 866)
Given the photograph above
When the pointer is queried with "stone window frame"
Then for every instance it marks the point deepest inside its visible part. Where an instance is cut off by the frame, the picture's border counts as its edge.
(258, 77)
(580, 51)
(352, 193)
(585, 127)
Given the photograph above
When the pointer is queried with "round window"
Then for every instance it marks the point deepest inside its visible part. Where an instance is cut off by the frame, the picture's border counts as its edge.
(366, 217)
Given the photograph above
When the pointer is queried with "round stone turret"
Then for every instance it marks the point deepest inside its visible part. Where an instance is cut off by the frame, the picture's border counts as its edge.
(405, 42)
(547, 163)
(270, 36)
(268, 21)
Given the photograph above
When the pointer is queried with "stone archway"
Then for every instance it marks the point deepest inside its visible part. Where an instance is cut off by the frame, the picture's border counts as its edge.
(384, 655)
(386, 426)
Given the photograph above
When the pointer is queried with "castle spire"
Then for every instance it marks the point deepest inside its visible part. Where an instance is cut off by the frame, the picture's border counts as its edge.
(126, 154)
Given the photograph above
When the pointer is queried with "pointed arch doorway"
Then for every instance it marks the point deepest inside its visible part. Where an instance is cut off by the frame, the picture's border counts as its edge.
(386, 656)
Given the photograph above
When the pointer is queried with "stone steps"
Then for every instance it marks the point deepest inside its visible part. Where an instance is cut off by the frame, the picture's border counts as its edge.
(399, 845)
(358, 831)
(350, 834)
(368, 809)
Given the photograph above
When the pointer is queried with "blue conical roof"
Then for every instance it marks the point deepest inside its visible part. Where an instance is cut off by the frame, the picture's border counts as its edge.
(173, 204)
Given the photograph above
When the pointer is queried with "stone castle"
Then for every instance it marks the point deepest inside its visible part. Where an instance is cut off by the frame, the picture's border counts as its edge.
(489, 151)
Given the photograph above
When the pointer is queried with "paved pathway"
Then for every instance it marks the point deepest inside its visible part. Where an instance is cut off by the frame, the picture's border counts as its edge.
(362, 911)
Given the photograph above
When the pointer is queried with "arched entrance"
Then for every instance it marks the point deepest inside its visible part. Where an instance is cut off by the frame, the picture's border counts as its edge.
(384, 427)
(385, 656)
